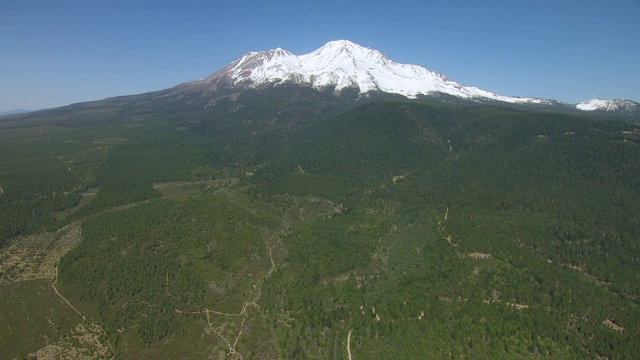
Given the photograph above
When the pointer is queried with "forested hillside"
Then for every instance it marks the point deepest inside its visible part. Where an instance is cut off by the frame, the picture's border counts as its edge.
(299, 224)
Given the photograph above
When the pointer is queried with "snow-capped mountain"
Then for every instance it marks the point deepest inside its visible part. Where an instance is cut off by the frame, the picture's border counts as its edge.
(344, 64)
(618, 105)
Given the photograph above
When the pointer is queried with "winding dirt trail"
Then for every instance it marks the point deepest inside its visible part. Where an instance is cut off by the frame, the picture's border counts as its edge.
(207, 312)
(252, 301)
(217, 333)
(55, 244)
(62, 297)
(349, 344)
(252, 298)
(65, 249)
(55, 289)
(273, 264)
(79, 313)
(68, 168)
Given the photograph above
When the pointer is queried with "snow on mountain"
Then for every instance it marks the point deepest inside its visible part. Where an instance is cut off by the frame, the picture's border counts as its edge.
(618, 105)
(344, 64)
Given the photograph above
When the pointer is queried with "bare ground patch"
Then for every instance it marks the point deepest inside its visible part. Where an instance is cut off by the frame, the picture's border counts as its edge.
(35, 256)
(85, 341)
(480, 256)
(612, 325)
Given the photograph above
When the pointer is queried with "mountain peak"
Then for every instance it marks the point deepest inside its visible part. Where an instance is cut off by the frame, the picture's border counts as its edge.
(341, 44)
(344, 64)
(337, 46)
(341, 53)
(616, 105)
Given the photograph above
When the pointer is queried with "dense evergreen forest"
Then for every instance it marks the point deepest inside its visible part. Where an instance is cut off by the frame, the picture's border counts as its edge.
(268, 226)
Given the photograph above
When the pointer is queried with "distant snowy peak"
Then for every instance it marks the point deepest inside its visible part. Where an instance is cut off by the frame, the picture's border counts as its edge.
(618, 105)
(344, 64)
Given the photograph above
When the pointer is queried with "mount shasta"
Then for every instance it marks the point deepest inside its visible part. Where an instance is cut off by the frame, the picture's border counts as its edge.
(343, 64)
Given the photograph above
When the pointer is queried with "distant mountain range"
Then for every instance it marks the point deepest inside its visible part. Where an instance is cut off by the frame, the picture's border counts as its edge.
(13, 112)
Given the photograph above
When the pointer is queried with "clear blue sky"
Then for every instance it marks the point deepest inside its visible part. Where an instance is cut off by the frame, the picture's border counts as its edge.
(54, 53)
